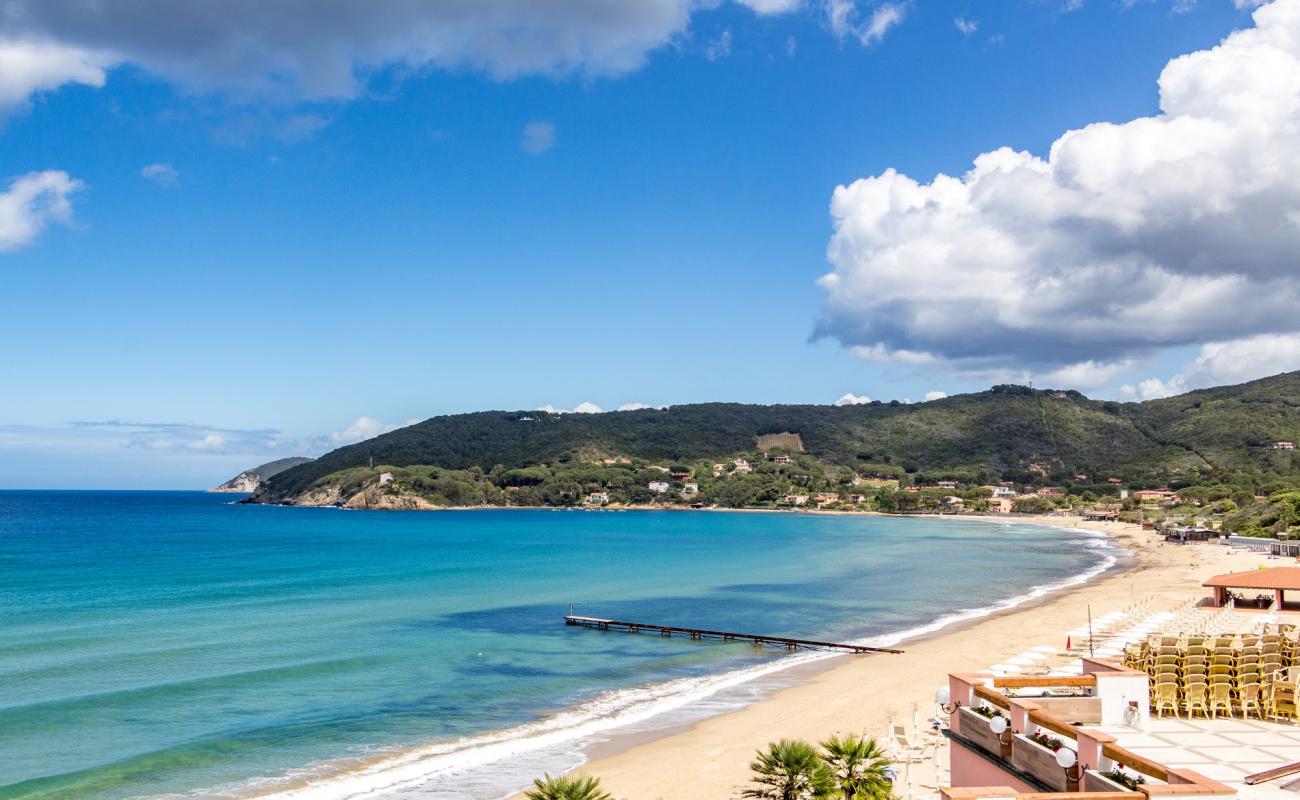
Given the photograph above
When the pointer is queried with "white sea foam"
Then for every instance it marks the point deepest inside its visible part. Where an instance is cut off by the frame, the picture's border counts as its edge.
(500, 763)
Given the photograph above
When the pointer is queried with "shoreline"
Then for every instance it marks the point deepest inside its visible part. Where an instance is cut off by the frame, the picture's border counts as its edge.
(709, 758)
(622, 722)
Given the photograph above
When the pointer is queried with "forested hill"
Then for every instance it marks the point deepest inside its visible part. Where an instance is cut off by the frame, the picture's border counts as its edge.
(1011, 433)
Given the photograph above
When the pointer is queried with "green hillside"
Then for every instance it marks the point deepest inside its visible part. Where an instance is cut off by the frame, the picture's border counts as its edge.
(1008, 433)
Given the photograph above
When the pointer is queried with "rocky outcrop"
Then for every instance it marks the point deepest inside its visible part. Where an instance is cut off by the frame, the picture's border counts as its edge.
(250, 480)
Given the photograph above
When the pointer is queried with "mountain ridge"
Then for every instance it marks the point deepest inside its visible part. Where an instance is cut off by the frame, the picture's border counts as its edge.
(1008, 432)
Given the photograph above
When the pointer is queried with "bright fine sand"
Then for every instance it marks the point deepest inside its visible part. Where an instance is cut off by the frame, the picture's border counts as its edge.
(710, 760)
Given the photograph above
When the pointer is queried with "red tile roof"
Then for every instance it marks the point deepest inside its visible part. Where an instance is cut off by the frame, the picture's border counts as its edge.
(1287, 578)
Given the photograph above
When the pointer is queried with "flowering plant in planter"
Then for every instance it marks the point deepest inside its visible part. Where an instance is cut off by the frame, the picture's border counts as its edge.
(1124, 779)
(1050, 742)
(987, 711)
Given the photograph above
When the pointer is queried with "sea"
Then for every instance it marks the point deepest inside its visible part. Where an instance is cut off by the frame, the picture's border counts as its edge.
(179, 644)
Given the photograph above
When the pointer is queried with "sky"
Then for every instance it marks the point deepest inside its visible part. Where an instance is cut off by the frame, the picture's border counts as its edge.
(241, 231)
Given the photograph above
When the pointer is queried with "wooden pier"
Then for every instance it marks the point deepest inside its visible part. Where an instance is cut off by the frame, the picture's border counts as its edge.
(599, 623)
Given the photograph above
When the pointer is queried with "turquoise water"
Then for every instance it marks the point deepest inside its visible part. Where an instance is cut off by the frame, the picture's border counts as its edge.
(175, 643)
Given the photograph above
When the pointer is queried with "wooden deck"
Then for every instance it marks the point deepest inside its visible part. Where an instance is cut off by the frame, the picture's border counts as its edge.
(599, 623)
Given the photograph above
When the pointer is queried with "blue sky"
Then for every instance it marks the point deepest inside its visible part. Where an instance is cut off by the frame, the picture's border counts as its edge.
(245, 271)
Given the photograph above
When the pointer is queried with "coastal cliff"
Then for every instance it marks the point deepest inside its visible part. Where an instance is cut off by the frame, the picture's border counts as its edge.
(250, 480)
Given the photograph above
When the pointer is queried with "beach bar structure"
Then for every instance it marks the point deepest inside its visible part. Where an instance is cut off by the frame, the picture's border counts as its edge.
(999, 733)
(1276, 580)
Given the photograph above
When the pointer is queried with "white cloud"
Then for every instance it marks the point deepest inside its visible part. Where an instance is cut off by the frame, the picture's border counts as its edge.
(935, 395)
(279, 51)
(1127, 239)
(771, 6)
(966, 26)
(1225, 363)
(720, 47)
(851, 399)
(161, 174)
(633, 407)
(846, 20)
(32, 65)
(33, 201)
(580, 408)
(363, 428)
(538, 136)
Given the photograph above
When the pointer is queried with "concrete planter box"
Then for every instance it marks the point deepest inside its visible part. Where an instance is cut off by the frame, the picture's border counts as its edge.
(1094, 781)
(1031, 757)
(975, 727)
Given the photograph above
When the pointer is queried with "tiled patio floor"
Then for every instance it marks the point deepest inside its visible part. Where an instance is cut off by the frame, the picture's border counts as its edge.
(1226, 750)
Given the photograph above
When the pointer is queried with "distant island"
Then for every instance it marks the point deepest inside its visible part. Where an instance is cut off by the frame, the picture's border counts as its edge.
(251, 479)
(1223, 456)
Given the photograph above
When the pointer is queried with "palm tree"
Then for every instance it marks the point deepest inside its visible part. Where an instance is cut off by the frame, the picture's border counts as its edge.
(790, 770)
(567, 787)
(859, 766)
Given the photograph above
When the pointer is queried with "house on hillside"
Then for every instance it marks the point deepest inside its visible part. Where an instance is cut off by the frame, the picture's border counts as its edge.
(1153, 495)
(1049, 491)
(796, 499)
(856, 499)
(783, 459)
(1114, 481)
(1001, 491)
(690, 490)
(385, 477)
(742, 466)
(658, 487)
(825, 498)
(947, 484)
(1001, 505)
(679, 475)
(596, 499)
(1283, 445)
(953, 501)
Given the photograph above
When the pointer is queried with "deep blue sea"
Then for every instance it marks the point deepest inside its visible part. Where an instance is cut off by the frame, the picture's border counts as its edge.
(174, 643)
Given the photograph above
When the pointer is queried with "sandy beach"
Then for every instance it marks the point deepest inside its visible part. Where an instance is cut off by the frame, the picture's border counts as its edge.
(862, 694)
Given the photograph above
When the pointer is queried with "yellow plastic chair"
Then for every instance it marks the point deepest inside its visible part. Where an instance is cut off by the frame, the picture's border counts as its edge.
(1250, 697)
(1220, 698)
(1196, 697)
(1164, 696)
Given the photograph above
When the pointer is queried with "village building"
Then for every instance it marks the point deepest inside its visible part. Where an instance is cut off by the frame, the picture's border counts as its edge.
(1049, 491)
(658, 486)
(1283, 445)
(690, 490)
(385, 477)
(1001, 505)
(796, 499)
(783, 459)
(742, 466)
(596, 499)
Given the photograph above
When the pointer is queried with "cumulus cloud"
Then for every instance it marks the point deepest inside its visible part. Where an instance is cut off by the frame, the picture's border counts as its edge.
(634, 407)
(1126, 239)
(935, 394)
(161, 174)
(580, 408)
(31, 202)
(847, 20)
(327, 49)
(1220, 363)
(966, 26)
(851, 399)
(35, 64)
(538, 137)
(363, 428)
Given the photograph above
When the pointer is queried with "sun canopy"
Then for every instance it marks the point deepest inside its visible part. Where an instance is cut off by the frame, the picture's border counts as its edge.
(1285, 578)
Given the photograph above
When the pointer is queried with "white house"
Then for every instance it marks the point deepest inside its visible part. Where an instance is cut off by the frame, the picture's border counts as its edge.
(385, 477)
(658, 486)
(783, 459)
(596, 499)
(690, 489)
(1283, 445)
(742, 466)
